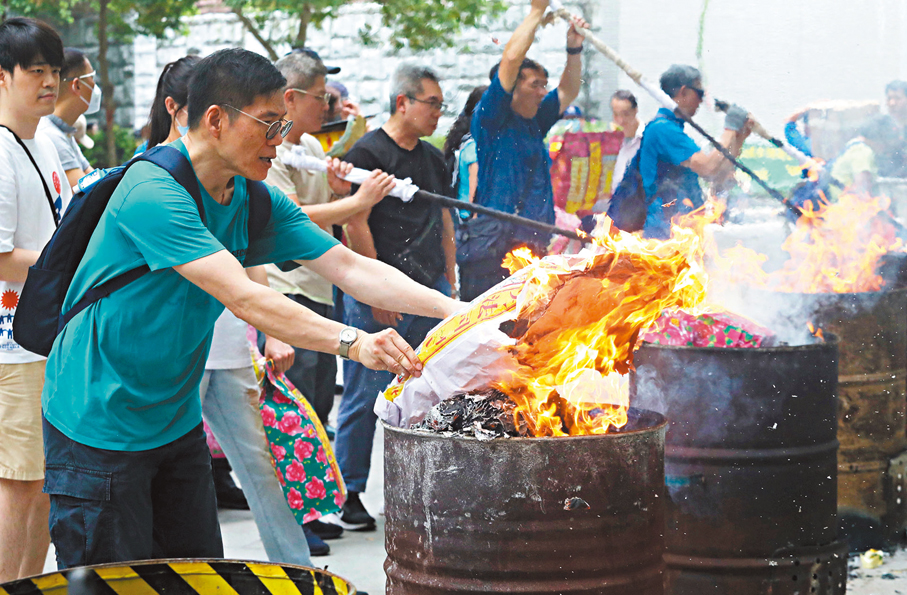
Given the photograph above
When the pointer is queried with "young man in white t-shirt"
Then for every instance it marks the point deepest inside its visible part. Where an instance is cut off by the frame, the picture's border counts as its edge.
(31, 55)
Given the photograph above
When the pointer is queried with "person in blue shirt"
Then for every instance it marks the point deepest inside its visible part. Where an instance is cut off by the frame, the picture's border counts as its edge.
(671, 163)
(127, 464)
(509, 127)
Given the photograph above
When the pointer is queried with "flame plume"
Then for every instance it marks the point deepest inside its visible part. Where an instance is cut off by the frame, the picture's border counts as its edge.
(835, 248)
(578, 321)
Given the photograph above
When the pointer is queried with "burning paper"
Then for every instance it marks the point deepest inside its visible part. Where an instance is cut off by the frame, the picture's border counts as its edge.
(557, 337)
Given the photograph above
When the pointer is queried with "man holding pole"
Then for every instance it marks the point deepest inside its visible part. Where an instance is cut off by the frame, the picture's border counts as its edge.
(671, 163)
(509, 125)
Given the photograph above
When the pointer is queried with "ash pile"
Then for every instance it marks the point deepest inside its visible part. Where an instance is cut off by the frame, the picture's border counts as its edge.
(485, 415)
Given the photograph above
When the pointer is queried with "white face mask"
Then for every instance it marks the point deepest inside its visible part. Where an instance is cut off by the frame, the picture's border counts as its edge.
(94, 104)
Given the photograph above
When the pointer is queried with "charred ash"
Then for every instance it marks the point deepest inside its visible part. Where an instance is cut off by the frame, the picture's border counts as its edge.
(485, 415)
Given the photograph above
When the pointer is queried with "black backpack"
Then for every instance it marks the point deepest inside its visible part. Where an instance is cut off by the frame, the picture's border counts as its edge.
(39, 316)
(628, 206)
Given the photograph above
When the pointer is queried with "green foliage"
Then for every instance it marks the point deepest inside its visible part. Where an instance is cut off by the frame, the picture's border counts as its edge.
(54, 11)
(428, 24)
(417, 24)
(126, 145)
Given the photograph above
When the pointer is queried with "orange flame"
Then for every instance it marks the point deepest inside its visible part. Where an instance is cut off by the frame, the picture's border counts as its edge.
(578, 321)
(835, 248)
(815, 331)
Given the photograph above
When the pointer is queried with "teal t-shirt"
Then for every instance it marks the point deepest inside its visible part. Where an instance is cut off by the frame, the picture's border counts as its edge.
(124, 373)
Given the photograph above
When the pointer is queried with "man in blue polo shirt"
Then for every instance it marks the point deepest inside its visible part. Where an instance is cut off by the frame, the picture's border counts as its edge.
(127, 465)
(509, 126)
(671, 163)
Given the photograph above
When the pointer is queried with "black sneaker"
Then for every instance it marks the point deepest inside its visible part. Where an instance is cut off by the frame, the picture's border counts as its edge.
(325, 530)
(317, 546)
(354, 516)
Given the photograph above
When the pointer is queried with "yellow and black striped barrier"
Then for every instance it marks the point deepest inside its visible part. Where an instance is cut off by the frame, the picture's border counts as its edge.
(183, 577)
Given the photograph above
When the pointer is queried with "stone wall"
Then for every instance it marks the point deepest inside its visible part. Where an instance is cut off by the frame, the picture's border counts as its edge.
(366, 71)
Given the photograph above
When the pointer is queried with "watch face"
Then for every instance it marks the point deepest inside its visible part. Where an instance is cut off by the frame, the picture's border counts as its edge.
(348, 335)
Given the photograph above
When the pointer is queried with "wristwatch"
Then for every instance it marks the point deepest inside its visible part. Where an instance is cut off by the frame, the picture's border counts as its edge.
(348, 336)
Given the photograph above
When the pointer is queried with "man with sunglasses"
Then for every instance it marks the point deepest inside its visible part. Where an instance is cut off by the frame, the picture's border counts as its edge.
(128, 468)
(671, 163)
(80, 93)
(509, 126)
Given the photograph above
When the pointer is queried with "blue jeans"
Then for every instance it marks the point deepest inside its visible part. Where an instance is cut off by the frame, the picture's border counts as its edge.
(356, 417)
(230, 405)
(114, 506)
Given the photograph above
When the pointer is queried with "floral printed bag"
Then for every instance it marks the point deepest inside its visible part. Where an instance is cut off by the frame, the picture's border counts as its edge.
(300, 449)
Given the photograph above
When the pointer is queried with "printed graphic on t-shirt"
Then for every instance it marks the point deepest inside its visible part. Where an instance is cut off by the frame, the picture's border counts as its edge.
(8, 302)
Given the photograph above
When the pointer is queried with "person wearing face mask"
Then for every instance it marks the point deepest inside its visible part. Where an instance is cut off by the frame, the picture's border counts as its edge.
(80, 93)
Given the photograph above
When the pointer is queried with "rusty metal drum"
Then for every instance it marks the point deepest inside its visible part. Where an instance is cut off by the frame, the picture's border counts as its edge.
(872, 406)
(572, 515)
(750, 466)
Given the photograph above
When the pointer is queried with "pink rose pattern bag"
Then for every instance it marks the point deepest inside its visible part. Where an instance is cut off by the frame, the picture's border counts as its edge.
(300, 449)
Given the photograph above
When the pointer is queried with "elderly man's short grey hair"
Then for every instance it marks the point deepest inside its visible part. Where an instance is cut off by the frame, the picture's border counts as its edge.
(407, 81)
(300, 70)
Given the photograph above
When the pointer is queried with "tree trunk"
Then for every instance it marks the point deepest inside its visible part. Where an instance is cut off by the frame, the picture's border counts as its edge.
(106, 85)
(305, 16)
(251, 28)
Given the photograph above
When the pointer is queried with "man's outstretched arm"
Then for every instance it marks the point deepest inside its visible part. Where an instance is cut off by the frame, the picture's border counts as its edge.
(518, 45)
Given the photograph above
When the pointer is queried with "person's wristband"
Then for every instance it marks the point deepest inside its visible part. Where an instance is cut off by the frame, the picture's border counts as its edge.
(575, 51)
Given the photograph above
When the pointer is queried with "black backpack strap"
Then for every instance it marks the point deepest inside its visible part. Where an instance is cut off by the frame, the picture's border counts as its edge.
(180, 168)
(259, 208)
(50, 200)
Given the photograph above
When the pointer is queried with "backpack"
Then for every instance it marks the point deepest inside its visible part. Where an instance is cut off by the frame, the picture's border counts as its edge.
(628, 206)
(39, 316)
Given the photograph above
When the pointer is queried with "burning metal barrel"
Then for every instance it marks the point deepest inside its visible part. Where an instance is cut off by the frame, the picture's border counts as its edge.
(872, 328)
(750, 467)
(577, 515)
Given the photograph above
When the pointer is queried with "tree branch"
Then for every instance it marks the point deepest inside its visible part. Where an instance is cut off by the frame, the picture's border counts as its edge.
(251, 28)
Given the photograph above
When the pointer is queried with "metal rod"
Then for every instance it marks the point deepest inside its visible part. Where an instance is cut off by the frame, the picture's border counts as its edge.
(670, 104)
(453, 203)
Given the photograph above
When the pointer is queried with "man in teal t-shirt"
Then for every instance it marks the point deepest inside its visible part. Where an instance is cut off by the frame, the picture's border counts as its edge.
(127, 464)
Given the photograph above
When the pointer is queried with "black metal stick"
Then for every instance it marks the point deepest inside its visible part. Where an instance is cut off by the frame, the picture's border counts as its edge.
(515, 219)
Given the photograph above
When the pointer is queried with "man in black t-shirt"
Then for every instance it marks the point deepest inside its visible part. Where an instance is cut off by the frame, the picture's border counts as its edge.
(416, 238)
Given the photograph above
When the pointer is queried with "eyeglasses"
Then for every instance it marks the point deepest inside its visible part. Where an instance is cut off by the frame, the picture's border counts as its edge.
(273, 127)
(432, 103)
(84, 76)
(700, 92)
(326, 98)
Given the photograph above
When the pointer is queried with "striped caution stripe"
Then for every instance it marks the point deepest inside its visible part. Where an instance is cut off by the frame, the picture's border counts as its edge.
(186, 577)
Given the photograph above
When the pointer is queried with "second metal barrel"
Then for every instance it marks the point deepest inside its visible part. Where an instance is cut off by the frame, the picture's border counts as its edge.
(750, 466)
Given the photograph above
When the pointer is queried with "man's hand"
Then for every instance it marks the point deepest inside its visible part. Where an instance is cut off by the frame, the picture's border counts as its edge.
(386, 317)
(279, 353)
(375, 187)
(386, 350)
(576, 32)
(336, 171)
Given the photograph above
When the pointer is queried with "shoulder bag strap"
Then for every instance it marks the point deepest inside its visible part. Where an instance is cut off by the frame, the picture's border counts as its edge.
(50, 200)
